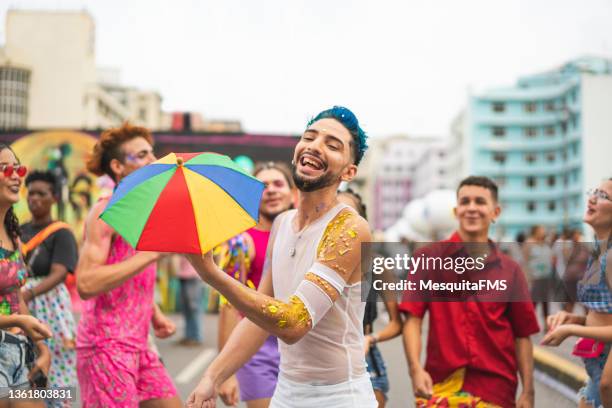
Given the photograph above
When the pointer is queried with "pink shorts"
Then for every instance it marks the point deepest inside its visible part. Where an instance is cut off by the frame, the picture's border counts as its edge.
(116, 378)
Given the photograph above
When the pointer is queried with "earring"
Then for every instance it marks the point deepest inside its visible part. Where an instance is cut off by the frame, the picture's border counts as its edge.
(493, 221)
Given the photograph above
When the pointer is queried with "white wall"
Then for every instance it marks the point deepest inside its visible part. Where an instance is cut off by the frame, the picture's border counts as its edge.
(597, 131)
(59, 49)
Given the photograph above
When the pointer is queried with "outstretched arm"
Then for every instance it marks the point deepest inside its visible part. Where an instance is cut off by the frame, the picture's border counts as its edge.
(93, 275)
(338, 259)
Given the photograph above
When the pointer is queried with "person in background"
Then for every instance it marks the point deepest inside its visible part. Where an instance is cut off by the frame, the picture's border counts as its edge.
(245, 259)
(192, 297)
(474, 348)
(539, 267)
(18, 329)
(115, 364)
(376, 365)
(594, 329)
(50, 251)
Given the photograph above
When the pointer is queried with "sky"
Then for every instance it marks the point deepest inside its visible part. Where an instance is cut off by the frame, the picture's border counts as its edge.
(403, 67)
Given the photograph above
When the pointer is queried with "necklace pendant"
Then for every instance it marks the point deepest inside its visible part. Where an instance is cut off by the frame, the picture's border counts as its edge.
(292, 252)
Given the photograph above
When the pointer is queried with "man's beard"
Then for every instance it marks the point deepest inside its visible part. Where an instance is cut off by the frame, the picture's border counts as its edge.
(325, 180)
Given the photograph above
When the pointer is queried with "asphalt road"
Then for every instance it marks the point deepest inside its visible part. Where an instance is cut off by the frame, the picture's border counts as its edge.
(187, 364)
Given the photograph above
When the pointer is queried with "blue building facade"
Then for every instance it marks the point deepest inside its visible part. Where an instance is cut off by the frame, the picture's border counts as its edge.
(529, 139)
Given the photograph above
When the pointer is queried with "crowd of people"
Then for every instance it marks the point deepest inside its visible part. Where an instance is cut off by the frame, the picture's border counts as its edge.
(294, 330)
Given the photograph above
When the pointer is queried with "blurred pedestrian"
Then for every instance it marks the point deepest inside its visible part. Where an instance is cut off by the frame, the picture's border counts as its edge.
(192, 298)
(246, 255)
(376, 364)
(539, 267)
(50, 251)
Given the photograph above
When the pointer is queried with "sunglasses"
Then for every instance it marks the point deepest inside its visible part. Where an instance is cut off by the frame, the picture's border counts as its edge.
(8, 169)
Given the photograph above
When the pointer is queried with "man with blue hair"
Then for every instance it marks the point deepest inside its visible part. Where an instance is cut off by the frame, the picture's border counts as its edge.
(310, 293)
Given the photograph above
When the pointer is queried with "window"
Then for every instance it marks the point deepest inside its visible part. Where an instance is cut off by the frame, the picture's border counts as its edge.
(530, 158)
(565, 179)
(550, 156)
(563, 127)
(530, 107)
(550, 131)
(442, 154)
(530, 131)
(564, 155)
(552, 206)
(499, 158)
(531, 206)
(549, 106)
(531, 181)
(499, 131)
(441, 172)
(551, 181)
(498, 107)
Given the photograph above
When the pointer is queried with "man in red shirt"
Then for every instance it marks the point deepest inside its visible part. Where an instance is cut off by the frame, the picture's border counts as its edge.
(474, 349)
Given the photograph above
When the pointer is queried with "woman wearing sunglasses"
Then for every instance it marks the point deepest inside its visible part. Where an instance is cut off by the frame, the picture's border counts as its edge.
(17, 327)
(594, 292)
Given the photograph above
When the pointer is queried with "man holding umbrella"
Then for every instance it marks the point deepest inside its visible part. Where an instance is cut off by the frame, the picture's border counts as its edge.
(115, 366)
(310, 295)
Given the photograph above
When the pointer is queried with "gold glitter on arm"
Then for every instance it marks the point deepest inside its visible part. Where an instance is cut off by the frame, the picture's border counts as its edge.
(340, 245)
(323, 284)
(287, 315)
(336, 240)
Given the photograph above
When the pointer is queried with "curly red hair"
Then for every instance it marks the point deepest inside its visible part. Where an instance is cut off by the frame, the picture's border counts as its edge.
(109, 147)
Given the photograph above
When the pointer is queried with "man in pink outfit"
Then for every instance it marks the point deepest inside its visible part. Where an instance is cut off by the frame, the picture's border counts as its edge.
(115, 366)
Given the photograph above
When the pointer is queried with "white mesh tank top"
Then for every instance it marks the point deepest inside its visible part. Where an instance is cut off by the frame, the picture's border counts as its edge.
(331, 352)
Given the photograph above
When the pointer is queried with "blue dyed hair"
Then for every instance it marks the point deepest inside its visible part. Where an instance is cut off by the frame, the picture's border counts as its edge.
(350, 122)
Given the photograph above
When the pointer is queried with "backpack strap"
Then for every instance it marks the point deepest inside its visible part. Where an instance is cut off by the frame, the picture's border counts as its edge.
(42, 235)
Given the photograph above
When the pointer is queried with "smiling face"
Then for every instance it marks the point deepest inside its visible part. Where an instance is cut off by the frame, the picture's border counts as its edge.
(277, 195)
(9, 186)
(599, 207)
(323, 156)
(476, 209)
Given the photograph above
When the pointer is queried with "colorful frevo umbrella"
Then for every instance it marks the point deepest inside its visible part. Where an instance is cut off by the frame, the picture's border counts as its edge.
(184, 203)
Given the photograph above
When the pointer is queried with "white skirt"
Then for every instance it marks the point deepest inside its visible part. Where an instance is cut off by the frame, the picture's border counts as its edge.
(356, 393)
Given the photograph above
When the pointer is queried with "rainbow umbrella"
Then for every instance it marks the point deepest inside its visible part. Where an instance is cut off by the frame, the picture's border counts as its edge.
(185, 203)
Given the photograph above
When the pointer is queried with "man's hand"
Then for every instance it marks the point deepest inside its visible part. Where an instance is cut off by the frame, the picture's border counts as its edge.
(422, 384)
(204, 395)
(162, 326)
(42, 363)
(203, 264)
(228, 391)
(33, 328)
(526, 400)
(558, 335)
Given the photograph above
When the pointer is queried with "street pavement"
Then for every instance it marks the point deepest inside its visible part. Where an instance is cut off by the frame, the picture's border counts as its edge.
(186, 364)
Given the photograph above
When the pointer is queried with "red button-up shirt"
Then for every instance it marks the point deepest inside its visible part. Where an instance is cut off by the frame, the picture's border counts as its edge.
(479, 336)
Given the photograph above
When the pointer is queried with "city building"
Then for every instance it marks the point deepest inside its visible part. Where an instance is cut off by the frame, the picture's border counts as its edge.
(385, 178)
(545, 141)
(440, 165)
(49, 78)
